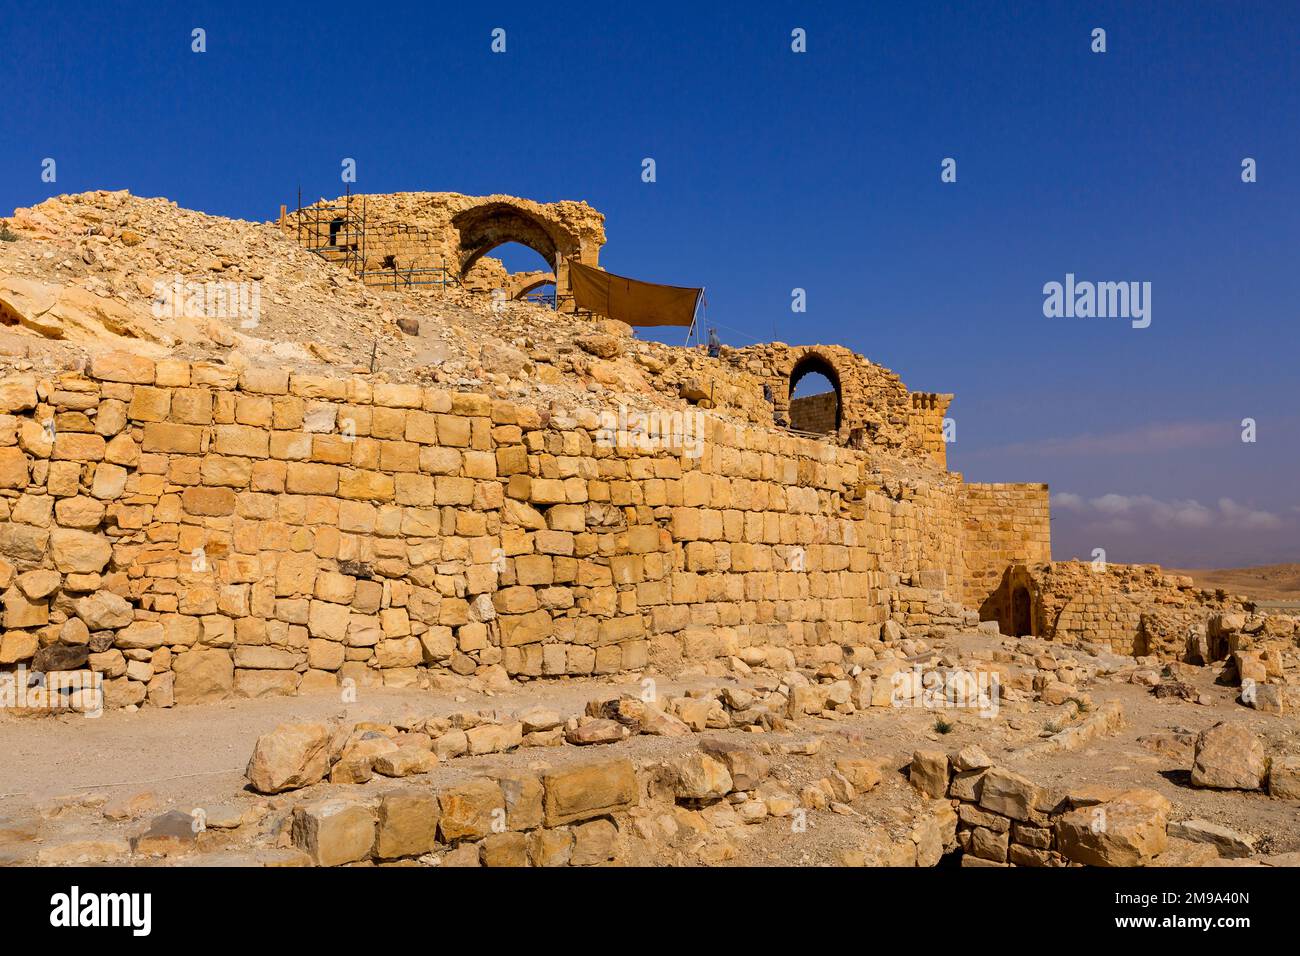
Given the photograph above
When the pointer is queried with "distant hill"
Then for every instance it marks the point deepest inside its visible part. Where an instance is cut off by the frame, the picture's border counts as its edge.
(1268, 582)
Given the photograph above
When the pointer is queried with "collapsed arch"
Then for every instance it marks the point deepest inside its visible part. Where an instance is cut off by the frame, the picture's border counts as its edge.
(482, 228)
(527, 282)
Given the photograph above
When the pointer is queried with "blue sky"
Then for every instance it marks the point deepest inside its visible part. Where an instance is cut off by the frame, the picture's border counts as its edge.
(819, 170)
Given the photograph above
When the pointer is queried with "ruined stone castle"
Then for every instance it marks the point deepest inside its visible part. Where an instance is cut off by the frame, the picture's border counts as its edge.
(194, 528)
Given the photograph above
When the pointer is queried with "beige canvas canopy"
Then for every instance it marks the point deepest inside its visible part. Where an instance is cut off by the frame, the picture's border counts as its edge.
(630, 300)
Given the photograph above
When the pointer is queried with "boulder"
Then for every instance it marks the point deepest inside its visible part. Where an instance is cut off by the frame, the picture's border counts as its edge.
(356, 763)
(699, 777)
(405, 762)
(659, 723)
(596, 731)
(1284, 778)
(494, 738)
(169, 834)
(1229, 843)
(289, 757)
(1229, 757)
(1009, 794)
(1127, 831)
(929, 772)
(862, 772)
(971, 757)
(748, 768)
(536, 719)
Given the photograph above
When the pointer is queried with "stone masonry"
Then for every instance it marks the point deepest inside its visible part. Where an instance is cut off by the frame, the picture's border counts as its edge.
(192, 531)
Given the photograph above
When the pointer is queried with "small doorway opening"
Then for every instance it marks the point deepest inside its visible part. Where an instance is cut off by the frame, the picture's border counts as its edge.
(1022, 618)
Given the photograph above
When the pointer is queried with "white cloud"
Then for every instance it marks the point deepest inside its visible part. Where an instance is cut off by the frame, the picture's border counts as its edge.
(1140, 440)
(1244, 517)
(1130, 511)
(1067, 501)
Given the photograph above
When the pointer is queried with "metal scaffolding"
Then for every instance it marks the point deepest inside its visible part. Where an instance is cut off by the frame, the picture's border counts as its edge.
(337, 232)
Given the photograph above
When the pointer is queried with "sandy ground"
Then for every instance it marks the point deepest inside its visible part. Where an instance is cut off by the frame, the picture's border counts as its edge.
(189, 753)
(59, 769)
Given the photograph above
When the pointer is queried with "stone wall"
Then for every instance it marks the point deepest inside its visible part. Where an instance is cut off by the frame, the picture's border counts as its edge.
(1005, 524)
(815, 413)
(928, 411)
(560, 818)
(877, 409)
(405, 231)
(190, 530)
(1131, 609)
(1004, 819)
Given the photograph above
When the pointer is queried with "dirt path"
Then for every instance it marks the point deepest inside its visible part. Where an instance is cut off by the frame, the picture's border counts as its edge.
(188, 753)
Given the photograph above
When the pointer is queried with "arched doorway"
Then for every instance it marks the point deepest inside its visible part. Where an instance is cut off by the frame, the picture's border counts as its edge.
(816, 404)
(1022, 612)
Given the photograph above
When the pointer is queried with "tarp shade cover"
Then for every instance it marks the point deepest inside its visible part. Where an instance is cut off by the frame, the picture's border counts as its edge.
(631, 301)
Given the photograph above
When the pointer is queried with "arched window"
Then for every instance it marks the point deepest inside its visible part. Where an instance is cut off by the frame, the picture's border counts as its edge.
(815, 401)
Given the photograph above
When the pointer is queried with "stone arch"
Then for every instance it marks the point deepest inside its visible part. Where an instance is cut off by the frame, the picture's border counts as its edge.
(806, 414)
(525, 282)
(484, 227)
(1016, 604)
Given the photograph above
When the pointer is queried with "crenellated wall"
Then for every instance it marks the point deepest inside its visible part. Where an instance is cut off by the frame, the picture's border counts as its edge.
(928, 411)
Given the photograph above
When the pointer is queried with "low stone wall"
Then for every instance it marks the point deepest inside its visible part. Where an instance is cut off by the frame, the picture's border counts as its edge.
(1005, 819)
(560, 818)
